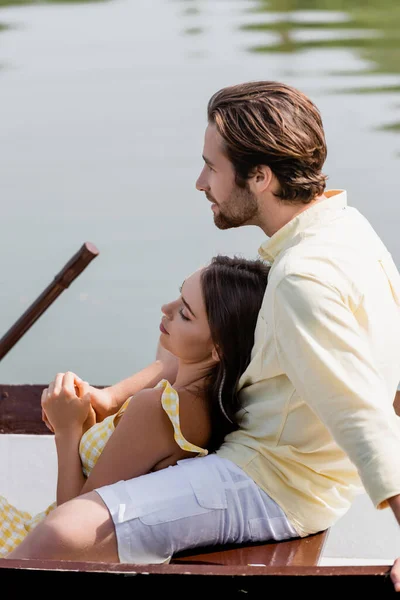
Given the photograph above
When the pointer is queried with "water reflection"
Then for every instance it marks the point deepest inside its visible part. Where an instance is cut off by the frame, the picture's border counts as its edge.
(4, 3)
(8, 3)
(371, 28)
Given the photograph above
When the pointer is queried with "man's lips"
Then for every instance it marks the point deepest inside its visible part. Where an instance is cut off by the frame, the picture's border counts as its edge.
(211, 199)
(214, 205)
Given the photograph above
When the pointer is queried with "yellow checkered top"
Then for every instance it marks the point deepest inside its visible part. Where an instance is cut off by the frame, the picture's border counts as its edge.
(15, 524)
(170, 403)
(95, 438)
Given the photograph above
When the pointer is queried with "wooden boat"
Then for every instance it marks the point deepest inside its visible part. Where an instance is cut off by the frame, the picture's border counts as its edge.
(248, 570)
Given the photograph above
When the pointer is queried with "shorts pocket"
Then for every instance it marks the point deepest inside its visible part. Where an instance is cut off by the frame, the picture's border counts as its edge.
(206, 483)
(201, 491)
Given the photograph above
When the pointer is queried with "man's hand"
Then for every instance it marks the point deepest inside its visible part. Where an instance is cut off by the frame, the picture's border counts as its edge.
(394, 503)
(395, 574)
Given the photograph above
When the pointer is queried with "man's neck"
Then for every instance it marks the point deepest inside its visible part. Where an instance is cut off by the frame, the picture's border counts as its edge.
(277, 214)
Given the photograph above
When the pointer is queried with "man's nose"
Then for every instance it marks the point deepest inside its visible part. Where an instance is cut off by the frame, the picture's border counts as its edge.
(201, 183)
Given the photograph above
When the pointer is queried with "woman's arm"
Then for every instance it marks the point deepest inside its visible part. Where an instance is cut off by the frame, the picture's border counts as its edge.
(107, 401)
(142, 441)
(67, 407)
(70, 478)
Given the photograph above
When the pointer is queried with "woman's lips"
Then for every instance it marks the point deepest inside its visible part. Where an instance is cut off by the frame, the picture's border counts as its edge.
(162, 329)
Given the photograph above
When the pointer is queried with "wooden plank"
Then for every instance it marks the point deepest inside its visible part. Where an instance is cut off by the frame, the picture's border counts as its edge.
(194, 580)
(20, 411)
(295, 552)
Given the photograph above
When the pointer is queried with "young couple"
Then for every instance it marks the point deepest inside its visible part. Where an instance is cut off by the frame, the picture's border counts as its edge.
(303, 403)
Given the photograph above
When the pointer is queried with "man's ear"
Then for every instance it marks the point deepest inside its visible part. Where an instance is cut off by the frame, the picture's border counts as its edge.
(215, 355)
(261, 178)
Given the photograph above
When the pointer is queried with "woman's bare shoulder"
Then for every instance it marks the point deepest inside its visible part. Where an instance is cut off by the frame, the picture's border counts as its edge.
(194, 416)
(149, 398)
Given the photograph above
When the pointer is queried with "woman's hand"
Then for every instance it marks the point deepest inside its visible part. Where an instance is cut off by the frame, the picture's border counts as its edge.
(66, 404)
(102, 401)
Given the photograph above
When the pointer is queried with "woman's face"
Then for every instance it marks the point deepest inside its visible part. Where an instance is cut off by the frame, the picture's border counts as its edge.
(184, 327)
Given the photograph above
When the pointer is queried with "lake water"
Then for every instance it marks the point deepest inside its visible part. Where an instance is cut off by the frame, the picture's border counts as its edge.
(103, 110)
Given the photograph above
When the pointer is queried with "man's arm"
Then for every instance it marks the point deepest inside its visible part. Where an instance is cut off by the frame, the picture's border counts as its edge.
(323, 353)
(328, 358)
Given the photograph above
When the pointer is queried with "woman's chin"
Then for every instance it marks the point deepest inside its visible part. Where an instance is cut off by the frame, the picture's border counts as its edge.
(162, 339)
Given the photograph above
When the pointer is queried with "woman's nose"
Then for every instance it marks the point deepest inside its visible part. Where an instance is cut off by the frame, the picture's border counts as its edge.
(166, 310)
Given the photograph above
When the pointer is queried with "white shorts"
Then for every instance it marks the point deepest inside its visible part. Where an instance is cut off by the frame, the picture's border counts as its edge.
(198, 502)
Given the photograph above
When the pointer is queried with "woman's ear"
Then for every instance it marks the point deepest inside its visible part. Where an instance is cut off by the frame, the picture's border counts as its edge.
(215, 355)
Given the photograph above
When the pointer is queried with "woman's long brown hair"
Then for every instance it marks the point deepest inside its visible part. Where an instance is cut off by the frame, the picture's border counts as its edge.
(233, 290)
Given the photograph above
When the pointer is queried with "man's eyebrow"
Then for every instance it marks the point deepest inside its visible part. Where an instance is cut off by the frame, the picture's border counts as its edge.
(185, 303)
(207, 161)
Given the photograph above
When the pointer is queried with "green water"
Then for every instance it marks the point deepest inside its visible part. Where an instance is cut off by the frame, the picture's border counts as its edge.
(103, 113)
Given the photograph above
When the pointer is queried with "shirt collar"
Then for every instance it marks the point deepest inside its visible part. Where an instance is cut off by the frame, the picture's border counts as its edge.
(335, 200)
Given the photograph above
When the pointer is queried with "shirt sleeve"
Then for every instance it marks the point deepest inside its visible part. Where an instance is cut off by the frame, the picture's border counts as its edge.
(327, 356)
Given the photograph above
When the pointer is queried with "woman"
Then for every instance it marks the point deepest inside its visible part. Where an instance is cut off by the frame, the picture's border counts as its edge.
(210, 330)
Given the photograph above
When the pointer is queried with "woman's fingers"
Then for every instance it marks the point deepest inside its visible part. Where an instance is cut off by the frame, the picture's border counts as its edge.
(55, 385)
(46, 421)
(71, 384)
(84, 388)
(68, 383)
(58, 383)
(43, 397)
(43, 401)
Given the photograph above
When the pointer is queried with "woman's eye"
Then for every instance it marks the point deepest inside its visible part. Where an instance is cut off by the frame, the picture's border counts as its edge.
(182, 315)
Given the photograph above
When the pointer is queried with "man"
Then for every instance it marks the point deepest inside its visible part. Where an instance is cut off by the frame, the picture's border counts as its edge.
(318, 422)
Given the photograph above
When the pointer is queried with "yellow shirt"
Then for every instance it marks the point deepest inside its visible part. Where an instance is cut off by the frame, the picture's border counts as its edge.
(318, 425)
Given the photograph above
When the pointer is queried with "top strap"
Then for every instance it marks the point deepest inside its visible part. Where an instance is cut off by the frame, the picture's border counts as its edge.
(170, 403)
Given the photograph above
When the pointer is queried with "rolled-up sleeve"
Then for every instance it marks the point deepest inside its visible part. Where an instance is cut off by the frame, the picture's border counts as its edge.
(326, 354)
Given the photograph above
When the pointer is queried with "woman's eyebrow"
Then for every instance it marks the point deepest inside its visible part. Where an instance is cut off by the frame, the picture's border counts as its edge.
(184, 301)
(187, 306)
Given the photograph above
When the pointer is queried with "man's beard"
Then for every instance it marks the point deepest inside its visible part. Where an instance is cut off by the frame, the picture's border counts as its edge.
(240, 209)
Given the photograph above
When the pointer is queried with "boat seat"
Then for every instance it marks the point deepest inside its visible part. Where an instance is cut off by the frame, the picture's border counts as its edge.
(305, 551)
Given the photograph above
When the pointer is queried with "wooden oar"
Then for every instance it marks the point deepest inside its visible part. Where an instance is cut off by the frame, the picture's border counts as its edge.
(65, 277)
